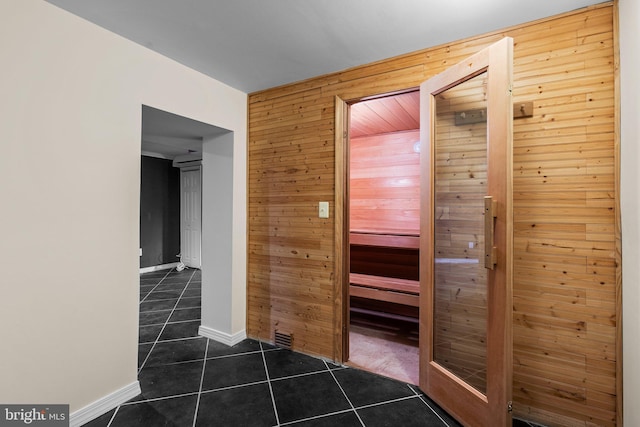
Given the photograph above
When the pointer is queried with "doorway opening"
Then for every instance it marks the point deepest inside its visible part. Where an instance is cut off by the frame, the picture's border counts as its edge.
(383, 235)
(195, 160)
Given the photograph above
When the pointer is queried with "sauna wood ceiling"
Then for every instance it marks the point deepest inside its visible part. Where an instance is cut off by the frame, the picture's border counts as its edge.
(253, 45)
(385, 115)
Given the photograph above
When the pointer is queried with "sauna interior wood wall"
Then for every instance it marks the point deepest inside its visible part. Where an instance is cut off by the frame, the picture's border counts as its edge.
(385, 184)
(566, 248)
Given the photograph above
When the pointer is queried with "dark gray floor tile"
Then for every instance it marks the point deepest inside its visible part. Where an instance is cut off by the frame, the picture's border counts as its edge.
(192, 293)
(410, 412)
(170, 380)
(284, 363)
(434, 406)
(268, 346)
(180, 330)
(157, 305)
(164, 293)
(308, 396)
(176, 411)
(245, 346)
(248, 406)
(185, 314)
(154, 317)
(177, 351)
(188, 302)
(101, 421)
(174, 279)
(167, 286)
(154, 275)
(143, 351)
(343, 419)
(233, 370)
(149, 333)
(363, 388)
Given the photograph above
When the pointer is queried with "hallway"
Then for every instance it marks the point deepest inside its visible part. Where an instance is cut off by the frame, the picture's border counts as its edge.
(187, 380)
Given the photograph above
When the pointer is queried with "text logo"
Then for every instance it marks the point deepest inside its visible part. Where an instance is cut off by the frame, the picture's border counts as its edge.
(34, 415)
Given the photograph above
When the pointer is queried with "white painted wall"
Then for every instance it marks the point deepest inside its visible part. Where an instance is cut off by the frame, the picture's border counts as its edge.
(217, 268)
(70, 108)
(630, 201)
(70, 127)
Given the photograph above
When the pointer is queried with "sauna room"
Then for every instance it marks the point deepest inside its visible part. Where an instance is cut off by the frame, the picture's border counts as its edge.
(384, 233)
(566, 258)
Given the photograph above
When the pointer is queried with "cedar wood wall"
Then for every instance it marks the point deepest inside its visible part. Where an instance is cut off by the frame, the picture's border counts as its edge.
(566, 234)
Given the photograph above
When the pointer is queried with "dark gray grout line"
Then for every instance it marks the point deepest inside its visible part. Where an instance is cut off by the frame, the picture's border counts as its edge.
(399, 399)
(345, 394)
(266, 371)
(174, 339)
(157, 399)
(420, 396)
(233, 387)
(204, 366)
(157, 284)
(268, 380)
(113, 416)
(165, 325)
(226, 356)
(305, 374)
(317, 417)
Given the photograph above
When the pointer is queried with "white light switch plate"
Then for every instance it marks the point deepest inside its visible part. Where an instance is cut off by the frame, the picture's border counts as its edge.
(323, 210)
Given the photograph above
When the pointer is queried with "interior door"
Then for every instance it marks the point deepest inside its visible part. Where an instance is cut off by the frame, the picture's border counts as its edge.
(191, 217)
(466, 237)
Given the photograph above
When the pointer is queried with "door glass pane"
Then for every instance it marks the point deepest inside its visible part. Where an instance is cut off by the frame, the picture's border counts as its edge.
(460, 279)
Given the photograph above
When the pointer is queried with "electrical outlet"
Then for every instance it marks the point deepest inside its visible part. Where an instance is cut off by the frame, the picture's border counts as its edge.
(323, 210)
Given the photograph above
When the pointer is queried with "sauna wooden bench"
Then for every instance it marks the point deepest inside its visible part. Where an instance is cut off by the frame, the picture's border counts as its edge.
(383, 288)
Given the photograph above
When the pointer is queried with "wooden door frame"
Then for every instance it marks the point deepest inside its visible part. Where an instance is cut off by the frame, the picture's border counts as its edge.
(341, 220)
(341, 234)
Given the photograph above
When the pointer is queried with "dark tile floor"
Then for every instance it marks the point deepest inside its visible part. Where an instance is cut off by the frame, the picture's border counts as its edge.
(187, 380)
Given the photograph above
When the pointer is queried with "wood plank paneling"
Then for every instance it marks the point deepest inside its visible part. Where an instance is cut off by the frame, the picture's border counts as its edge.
(384, 184)
(566, 255)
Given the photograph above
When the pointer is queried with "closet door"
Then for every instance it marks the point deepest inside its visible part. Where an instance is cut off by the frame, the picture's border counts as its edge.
(466, 237)
(191, 217)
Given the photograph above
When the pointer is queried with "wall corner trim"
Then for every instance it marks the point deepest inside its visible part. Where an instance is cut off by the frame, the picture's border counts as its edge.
(104, 404)
(222, 337)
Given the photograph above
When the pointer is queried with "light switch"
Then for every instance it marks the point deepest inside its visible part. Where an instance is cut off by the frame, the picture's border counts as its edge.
(323, 210)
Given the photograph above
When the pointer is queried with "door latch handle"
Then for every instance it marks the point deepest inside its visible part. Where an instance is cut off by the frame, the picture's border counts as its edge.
(490, 251)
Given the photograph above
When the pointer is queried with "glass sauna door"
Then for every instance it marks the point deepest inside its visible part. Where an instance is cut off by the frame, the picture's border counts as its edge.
(466, 223)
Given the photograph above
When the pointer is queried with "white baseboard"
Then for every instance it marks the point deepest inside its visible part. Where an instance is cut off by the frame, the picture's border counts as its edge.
(222, 337)
(158, 267)
(104, 405)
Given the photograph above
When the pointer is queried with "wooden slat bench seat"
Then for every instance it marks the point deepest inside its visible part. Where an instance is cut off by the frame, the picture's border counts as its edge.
(384, 269)
(388, 240)
(389, 289)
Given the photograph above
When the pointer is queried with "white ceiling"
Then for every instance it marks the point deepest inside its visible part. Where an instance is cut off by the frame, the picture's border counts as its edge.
(168, 135)
(258, 44)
